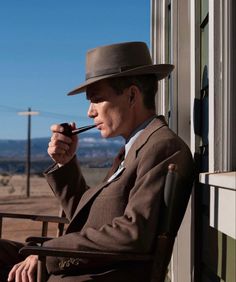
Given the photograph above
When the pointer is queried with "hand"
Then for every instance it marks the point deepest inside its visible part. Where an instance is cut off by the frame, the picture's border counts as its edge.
(25, 270)
(62, 148)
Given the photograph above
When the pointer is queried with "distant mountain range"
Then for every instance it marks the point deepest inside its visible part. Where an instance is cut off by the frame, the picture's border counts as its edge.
(93, 151)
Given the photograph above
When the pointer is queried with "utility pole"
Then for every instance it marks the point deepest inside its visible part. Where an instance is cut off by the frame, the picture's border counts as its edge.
(29, 113)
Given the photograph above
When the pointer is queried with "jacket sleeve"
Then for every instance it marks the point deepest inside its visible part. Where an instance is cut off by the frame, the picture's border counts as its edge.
(67, 184)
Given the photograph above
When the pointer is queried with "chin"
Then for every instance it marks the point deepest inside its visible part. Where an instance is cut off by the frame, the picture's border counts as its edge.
(106, 134)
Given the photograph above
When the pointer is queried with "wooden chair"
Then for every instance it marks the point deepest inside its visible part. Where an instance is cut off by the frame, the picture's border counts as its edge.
(176, 196)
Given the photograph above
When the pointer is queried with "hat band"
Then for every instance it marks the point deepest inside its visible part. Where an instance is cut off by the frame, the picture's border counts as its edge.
(110, 71)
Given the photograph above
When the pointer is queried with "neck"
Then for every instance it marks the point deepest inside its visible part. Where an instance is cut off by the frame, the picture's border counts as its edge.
(138, 121)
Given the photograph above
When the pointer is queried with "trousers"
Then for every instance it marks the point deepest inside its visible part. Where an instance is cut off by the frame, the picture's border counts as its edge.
(9, 256)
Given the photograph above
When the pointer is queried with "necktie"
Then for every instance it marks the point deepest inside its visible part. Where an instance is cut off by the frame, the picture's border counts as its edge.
(116, 163)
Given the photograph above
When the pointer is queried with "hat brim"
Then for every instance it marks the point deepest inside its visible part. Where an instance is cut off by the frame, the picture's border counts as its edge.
(160, 70)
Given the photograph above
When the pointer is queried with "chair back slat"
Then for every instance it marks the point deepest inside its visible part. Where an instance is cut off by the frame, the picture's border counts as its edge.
(176, 196)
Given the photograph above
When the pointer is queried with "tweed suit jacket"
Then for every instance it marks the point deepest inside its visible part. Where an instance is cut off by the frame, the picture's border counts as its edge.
(121, 215)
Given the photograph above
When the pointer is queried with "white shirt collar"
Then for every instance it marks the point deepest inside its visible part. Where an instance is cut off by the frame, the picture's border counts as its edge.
(130, 141)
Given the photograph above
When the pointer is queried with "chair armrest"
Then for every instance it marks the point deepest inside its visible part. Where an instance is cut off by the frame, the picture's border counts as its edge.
(57, 252)
(44, 219)
(35, 217)
(38, 239)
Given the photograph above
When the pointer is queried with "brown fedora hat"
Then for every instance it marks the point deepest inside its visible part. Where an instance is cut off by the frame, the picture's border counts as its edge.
(117, 60)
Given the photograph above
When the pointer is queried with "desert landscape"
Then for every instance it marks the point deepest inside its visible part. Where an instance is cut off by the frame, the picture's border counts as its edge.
(41, 201)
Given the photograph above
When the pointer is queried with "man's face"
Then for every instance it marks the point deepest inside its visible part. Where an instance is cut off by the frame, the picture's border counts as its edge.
(110, 111)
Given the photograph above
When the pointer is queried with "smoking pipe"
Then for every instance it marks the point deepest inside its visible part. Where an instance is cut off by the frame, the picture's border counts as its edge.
(68, 131)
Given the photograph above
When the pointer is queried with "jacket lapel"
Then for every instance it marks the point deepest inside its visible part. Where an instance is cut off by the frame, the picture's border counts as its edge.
(153, 126)
(90, 193)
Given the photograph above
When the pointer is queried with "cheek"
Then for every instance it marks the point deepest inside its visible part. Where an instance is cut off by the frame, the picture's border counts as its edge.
(117, 117)
(112, 125)
(112, 115)
(114, 118)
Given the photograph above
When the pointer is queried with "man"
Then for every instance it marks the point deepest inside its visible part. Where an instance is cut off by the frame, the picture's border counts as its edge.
(120, 214)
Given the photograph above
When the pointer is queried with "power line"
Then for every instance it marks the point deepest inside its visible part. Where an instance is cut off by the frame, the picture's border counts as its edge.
(57, 115)
(10, 109)
(42, 113)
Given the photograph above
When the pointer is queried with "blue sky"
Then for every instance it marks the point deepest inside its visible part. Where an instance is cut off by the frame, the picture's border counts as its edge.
(42, 56)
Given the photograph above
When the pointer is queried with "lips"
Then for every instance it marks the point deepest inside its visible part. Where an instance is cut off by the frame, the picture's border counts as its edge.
(99, 125)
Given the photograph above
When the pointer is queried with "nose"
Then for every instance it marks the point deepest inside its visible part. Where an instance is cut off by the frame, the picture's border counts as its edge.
(92, 113)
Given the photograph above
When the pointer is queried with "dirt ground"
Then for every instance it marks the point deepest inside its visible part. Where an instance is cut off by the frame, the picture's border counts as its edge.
(41, 201)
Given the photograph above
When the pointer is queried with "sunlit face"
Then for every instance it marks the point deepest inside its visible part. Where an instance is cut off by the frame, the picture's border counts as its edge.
(110, 111)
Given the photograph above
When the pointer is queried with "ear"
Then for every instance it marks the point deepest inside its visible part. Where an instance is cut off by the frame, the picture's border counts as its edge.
(133, 94)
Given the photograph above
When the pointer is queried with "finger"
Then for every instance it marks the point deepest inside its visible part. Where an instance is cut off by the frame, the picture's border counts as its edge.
(18, 276)
(59, 144)
(55, 147)
(60, 128)
(32, 269)
(12, 273)
(24, 275)
(73, 125)
(56, 151)
(61, 137)
(24, 272)
(21, 273)
(56, 128)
